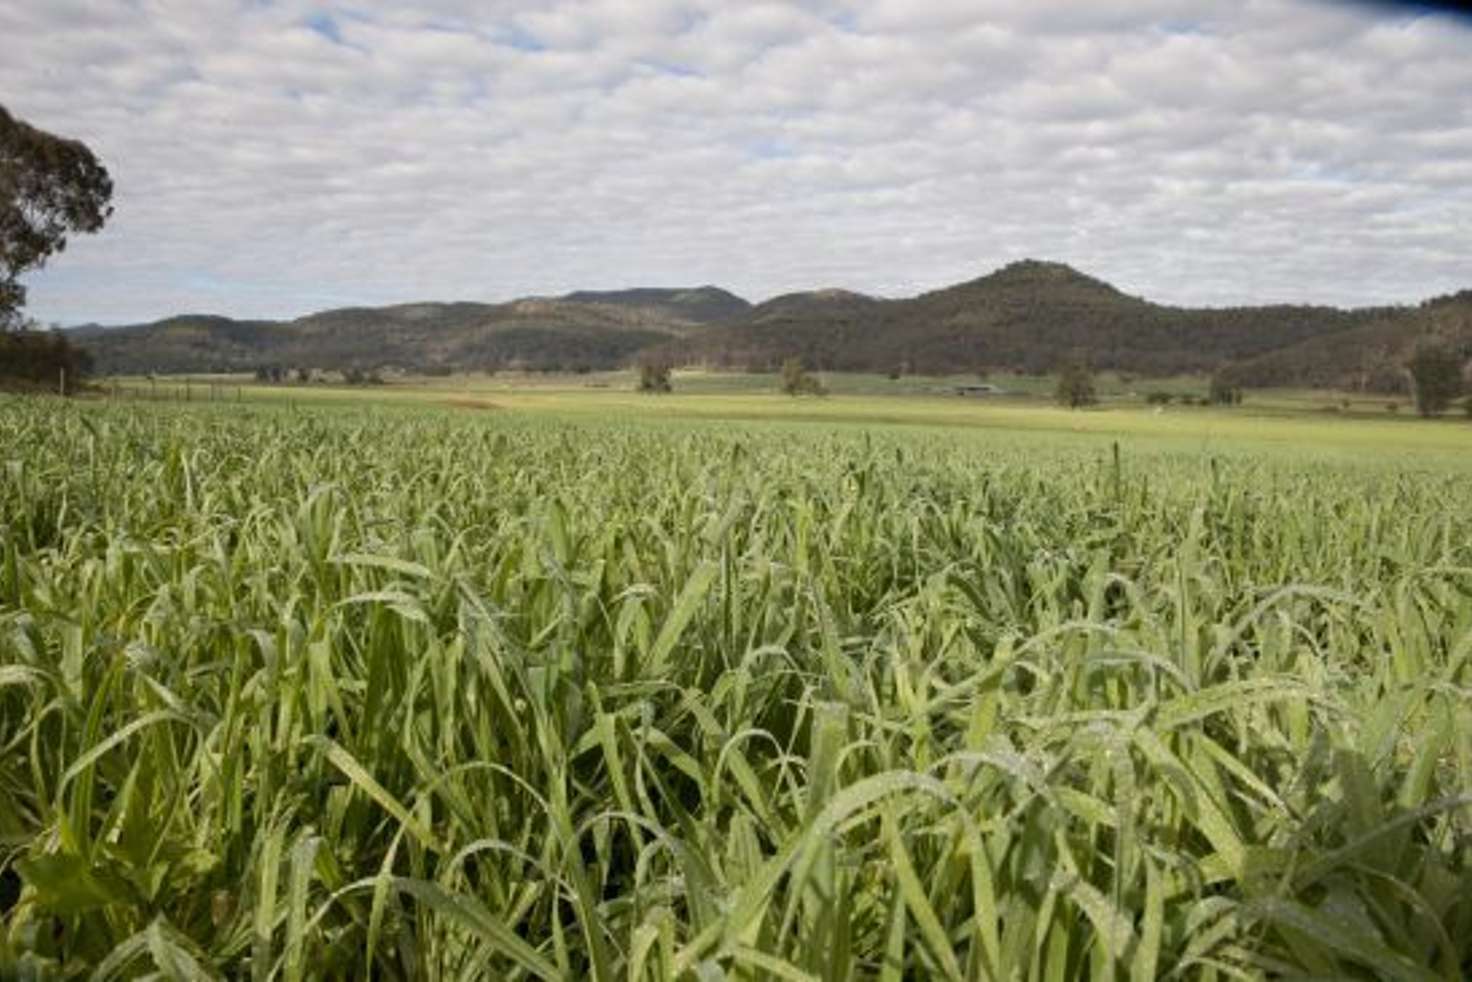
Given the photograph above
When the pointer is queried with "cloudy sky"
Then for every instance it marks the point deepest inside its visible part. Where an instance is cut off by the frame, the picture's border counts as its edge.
(274, 157)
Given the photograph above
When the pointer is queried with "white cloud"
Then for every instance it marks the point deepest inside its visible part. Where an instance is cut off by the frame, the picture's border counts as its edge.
(276, 157)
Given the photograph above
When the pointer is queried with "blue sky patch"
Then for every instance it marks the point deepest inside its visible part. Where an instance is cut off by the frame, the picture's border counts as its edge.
(326, 25)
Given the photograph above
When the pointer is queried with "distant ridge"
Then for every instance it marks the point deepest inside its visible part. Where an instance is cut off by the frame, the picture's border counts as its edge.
(815, 303)
(1027, 316)
(702, 304)
(535, 333)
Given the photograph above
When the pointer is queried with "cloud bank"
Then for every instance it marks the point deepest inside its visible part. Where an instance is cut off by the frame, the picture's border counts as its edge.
(274, 157)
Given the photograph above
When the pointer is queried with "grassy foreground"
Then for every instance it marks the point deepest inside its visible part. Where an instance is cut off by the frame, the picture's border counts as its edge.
(422, 694)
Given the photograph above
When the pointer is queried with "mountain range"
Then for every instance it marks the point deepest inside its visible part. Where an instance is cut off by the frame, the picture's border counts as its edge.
(1029, 316)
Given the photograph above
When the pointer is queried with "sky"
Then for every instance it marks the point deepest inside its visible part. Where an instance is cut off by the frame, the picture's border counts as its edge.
(276, 157)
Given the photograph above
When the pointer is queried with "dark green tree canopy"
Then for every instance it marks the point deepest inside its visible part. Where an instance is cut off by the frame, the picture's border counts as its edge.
(654, 376)
(1076, 385)
(797, 382)
(1224, 390)
(50, 187)
(1436, 376)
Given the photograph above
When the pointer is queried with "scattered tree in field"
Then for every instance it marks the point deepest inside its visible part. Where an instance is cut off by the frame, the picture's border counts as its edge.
(49, 187)
(357, 376)
(1076, 386)
(1223, 391)
(654, 376)
(797, 382)
(1436, 377)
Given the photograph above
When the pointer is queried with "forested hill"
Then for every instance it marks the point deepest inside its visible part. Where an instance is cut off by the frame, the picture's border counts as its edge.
(537, 333)
(1369, 357)
(1028, 316)
(702, 305)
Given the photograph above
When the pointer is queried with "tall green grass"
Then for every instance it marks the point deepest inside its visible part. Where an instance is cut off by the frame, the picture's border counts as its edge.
(292, 695)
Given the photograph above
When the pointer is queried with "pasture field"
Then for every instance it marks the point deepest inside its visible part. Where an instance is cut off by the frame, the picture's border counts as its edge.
(1112, 389)
(1297, 421)
(728, 685)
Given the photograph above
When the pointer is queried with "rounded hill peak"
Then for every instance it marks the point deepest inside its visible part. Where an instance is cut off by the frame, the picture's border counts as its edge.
(1043, 272)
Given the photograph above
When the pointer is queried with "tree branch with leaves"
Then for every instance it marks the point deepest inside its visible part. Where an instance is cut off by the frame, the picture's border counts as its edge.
(50, 187)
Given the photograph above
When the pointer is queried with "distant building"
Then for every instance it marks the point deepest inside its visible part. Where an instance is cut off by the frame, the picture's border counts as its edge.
(979, 389)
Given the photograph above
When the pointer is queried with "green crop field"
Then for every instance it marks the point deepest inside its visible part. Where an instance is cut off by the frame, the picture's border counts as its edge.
(492, 682)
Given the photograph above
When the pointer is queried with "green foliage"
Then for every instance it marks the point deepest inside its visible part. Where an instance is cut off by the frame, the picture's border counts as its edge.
(796, 381)
(50, 187)
(1158, 398)
(1224, 391)
(36, 360)
(1076, 386)
(402, 695)
(654, 376)
(356, 376)
(1436, 376)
